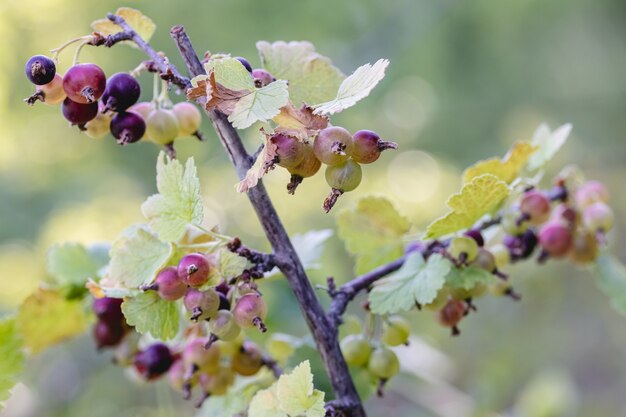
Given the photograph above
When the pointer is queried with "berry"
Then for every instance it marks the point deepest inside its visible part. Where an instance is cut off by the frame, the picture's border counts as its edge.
(98, 127)
(84, 83)
(51, 93)
(591, 192)
(219, 383)
(248, 360)
(566, 214)
(79, 114)
(162, 126)
(154, 361)
(224, 302)
(451, 314)
(176, 376)
(188, 117)
(194, 269)
(40, 70)
(333, 145)
(223, 326)
(289, 150)
(262, 77)
(522, 246)
(127, 127)
(201, 304)
(250, 311)
(463, 248)
(584, 247)
(307, 168)
(485, 260)
(108, 309)
(344, 176)
(535, 207)
(383, 363)
(555, 239)
(355, 349)
(143, 109)
(108, 334)
(245, 63)
(598, 217)
(169, 285)
(513, 223)
(396, 331)
(501, 255)
(367, 146)
(476, 235)
(122, 91)
(206, 360)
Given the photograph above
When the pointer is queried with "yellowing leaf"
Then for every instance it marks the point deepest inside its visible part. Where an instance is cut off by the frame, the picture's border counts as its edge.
(417, 281)
(354, 88)
(46, 318)
(548, 144)
(372, 231)
(300, 122)
(143, 25)
(136, 256)
(477, 198)
(149, 313)
(312, 77)
(507, 168)
(260, 105)
(265, 404)
(263, 164)
(178, 203)
(11, 356)
(72, 264)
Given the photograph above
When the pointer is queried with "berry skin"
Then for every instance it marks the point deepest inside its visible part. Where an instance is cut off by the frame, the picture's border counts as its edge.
(162, 126)
(248, 360)
(356, 349)
(169, 284)
(514, 224)
(396, 331)
(108, 334)
(345, 176)
(108, 309)
(250, 311)
(566, 214)
(535, 206)
(201, 304)
(188, 117)
(122, 91)
(127, 127)
(97, 128)
(584, 248)
(333, 145)
(522, 246)
(217, 384)
(598, 217)
(591, 192)
(206, 360)
(451, 314)
(383, 363)
(154, 361)
(307, 168)
(224, 327)
(245, 63)
(84, 83)
(555, 239)
(262, 77)
(463, 248)
(477, 236)
(40, 70)
(501, 255)
(176, 375)
(51, 93)
(194, 269)
(289, 150)
(485, 260)
(79, 114)
(367, 146)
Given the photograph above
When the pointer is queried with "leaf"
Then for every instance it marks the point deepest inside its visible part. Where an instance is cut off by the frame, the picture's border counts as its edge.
(548, 144)
(231, 264)
(354, 88)
(468, 277)
(46, 318)
(372, 231)
(611, 279)
(263, 164)
(149, 313)
(237, 399)
(265, 404)
(312, 77)
(136, 257)
(416, 281)
(11, 356)
(230, 73)
(477, 198)
(143, 25)
(508, 168)
(217, 96)
(300, 122)
(260, 105)
(310, 246)
(178, 203)
(72, 264)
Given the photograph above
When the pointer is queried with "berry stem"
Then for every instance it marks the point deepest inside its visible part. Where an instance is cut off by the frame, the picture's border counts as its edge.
(331, 200)
(294, 182)
(384, 145)
(57, 51)
(37, 96)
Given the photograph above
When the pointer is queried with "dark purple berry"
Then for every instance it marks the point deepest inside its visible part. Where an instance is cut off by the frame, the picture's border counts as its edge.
(154, 361)
(108, 334)
(79, 114)
(127, 127)
(522, 246)
(40, 69)
(194, 269)
(108, 309)
(476, 235)
(224, 303)
(122, 91)
(245, 63)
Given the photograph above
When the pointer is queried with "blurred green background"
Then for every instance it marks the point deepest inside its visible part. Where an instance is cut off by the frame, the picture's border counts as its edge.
(467, 78)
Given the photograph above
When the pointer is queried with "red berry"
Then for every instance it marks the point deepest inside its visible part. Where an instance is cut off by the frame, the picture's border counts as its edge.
(84, 83)
(555, 239)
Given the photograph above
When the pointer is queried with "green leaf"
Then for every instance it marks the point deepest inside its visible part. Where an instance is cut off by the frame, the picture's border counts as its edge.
(508, 168)
(136, 257)
(312, 77)
(11, 356)
(292, 395)
(354, 88)
(373, 232)
(468, 277)
(611, 279)
(149, 313)
(142, 24)
(178, 203)
(230, 73)
(548, 144)
(231, 264)
(310, 246)
(260, 105)
(46, 318)
(417, 281)
(238, 397)
(481, 196)
(72, 264)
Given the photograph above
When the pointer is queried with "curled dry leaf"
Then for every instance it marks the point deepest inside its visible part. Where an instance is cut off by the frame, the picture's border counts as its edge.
(299, 123)
(216, 96)
(264, 163)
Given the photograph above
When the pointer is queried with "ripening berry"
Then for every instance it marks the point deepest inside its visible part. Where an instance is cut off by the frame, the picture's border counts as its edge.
(485, 260)
(442, 298)
(219, 383)
(154, 361)
(452, 313)
(535, 206)
(122, 91)
(248, 360)
(383, 363)
(97, 128)
(367, 146)
(396, 331)
(201, 304)
(205, 360)
(591, 192)
(245, 63)
(513, 223)
(162, 126)
(598, 217)
(108, 334)
(555, 239)
(176, 375)
(84, 83)
(108, 309)
(500, 288)
(476, 235)
(344, 176)
(565, 214)
(188, 117)
(143, 108)
(79, 114)
(356, 349)
(194, 269)
(307, 168)
(40, 70)
(463, 248)
(169, 285)
(501, 255)
(333, 145)
(461, 293)
(53, 92)
(127, 127)
(224, 327)
(262, 77)
(289, 150)
(250, 311)
(584, 248)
